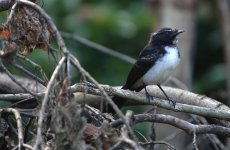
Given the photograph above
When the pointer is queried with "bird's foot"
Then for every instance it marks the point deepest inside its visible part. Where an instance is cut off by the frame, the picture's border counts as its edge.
(148, 96)
(171, 101)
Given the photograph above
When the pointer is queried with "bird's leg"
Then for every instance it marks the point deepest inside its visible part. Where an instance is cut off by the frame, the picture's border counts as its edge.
(148, 96)
(170, 100)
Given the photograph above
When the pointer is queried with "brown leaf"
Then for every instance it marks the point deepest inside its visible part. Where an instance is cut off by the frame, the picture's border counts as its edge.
(4, 34)
(91, 133)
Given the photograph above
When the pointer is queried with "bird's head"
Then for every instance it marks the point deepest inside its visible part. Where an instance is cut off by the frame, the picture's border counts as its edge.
(164, 36)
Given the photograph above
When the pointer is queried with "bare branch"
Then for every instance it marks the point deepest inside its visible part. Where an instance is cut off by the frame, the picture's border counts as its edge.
(25, 71)
(194, 141)
(14, 80)
(220, 112)
(44, 102)
(159, 142)
(19, 125)
(36, 66)
(8, 86)
(176, 122)
(124, 132)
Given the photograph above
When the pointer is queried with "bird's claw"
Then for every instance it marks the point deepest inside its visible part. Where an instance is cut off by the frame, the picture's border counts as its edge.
(149, 97)
(171, 101)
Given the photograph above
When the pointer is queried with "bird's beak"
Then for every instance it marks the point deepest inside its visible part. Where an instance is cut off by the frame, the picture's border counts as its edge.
(177, 32)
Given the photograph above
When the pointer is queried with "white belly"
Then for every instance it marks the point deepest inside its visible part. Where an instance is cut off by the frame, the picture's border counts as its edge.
(163, 68)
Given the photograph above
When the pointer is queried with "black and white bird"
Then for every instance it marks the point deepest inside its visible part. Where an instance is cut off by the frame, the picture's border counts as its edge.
(156, 62)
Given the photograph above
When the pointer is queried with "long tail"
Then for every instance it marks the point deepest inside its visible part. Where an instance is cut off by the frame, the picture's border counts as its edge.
(121, 101)
(118, 101)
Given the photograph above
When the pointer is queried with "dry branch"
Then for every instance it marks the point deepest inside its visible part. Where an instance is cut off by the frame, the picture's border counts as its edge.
(176, 122)
(141, 99)
(19, 125)
(220, 112)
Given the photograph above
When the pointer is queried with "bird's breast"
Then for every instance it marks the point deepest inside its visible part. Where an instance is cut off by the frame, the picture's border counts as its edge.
(163, 67)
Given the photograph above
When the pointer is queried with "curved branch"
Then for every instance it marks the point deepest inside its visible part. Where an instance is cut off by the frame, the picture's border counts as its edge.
(141, 99)
(44, 102)
(9, 86)
(176, 122)
(212, 107)
(19, 125)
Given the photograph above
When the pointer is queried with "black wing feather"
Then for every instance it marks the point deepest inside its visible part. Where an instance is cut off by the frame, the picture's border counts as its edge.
(146, 60)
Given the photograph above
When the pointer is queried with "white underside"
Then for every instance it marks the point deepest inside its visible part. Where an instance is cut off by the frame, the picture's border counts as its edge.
(163, 68)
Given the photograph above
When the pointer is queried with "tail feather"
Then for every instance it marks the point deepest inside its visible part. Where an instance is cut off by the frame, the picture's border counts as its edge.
(118, 101)
(121, 101)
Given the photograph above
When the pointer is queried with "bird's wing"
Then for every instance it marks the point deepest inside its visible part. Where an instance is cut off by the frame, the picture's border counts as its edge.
(146, 60)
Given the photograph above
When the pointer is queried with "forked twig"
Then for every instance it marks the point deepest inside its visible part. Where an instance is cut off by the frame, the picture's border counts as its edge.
(36, 66)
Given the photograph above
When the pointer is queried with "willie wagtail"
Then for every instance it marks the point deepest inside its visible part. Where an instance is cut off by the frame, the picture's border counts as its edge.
(156, 62)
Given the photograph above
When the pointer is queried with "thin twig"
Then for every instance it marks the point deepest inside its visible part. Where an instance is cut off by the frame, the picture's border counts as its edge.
(14, 97)
(194, 140)
(19, 125)
(98, 47)
(217, 144)
(110, 101)
(36, 78)
(170, 137)
(27, 129)
(124, 132)
(159, 142)
(44, 102)
(13, 79)
(36, 66)
(12, 11)
(28, 146)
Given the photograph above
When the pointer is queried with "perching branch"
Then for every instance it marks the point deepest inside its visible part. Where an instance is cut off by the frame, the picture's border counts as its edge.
(221, 112)
(141, 99)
